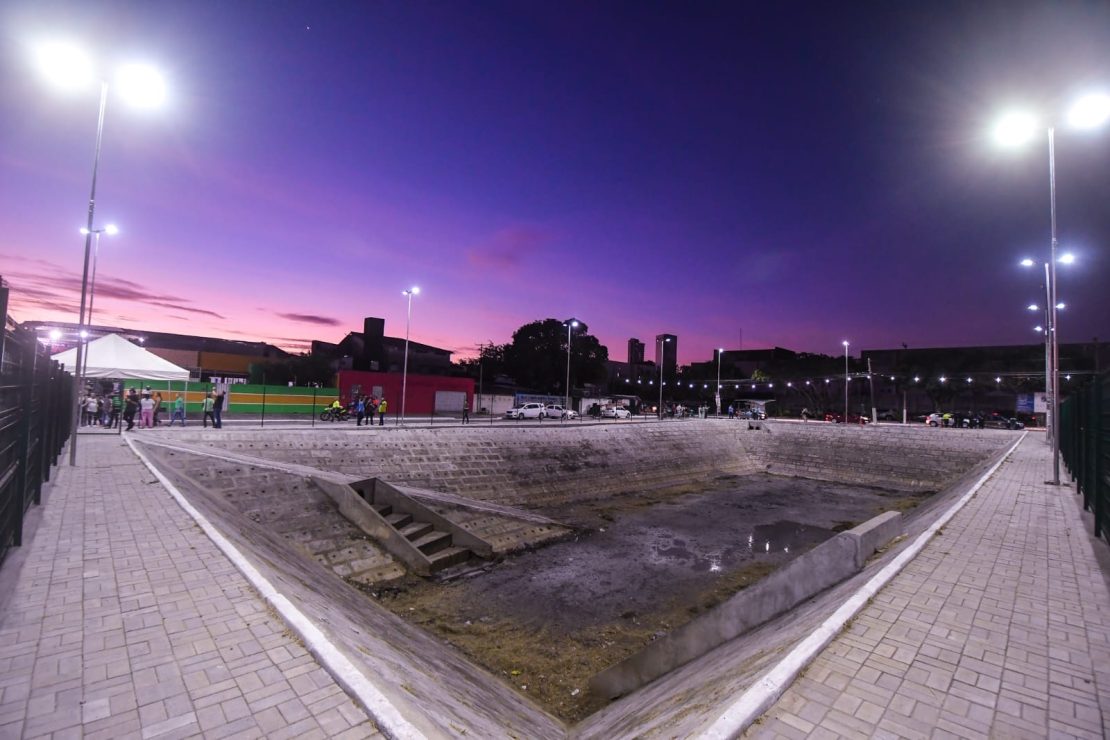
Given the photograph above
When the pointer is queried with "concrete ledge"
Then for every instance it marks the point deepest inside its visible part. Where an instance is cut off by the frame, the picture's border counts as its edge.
(874, 533)
(829, 563)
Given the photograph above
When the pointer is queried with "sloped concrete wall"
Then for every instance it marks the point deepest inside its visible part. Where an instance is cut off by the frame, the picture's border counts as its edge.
(901, 458)
(550, 464)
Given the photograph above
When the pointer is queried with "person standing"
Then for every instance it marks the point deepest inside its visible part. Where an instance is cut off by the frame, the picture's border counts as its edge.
(157, 407)
(117, 406)
(382, 408)
(146, 412)
(466, 410)
(360, 410)
(209, 402)
(90, 410)
(218, 410)
(805, 414)
(178, 410)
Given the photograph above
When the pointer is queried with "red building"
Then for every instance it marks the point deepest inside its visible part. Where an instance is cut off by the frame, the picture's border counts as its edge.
(425, 393)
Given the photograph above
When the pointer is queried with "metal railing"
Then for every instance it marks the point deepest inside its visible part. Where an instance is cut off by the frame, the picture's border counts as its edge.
(1085, 447)
(35, 417)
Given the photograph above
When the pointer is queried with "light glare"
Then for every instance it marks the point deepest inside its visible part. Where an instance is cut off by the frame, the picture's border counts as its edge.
(65, 65)
(1027, 262)
(1066, 259)
(141, 85)
(111, 229)
(1015, 129)
(1090, 111)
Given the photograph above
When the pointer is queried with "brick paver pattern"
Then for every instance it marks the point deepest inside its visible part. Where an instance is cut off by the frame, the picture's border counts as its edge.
(127, 621)
(999, 628)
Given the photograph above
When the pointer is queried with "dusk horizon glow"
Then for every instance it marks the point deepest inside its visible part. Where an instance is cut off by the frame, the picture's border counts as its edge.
(739, 177)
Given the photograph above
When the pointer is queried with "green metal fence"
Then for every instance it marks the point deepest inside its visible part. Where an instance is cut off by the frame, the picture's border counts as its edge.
(1085, 447)
(36, 410)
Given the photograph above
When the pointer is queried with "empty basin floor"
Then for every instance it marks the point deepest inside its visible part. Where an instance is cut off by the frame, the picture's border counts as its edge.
(549, 619)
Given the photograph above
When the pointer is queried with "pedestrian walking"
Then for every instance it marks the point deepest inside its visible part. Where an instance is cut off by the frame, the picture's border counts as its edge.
(466, 410)
(218, 410)
(805, 414)
(209, 402)
(382, 408)
(131, 407)
(178, 410)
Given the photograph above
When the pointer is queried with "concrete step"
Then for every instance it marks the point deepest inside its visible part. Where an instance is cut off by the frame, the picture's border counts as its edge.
(399, 520)
(432, 542)
(447, 557)
(383, 509)
(415, 530)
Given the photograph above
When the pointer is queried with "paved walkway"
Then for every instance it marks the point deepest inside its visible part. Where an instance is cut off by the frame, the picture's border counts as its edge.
(124, 620)
(999, 628)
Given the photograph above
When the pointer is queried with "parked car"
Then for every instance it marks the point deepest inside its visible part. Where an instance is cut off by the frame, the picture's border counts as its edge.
(616, 412)
(999, 420)
(555, 411)
(527, 411)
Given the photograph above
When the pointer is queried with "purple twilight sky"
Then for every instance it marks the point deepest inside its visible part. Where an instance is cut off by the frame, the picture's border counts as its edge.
(788, 174)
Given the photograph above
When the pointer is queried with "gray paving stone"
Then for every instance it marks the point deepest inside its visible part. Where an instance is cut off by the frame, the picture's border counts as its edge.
(998, 628)
(125, 620)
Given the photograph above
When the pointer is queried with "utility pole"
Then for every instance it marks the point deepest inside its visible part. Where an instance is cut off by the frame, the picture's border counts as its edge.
(871, 381)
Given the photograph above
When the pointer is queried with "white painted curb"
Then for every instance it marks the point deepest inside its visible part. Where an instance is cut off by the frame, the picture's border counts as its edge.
(760, 696)
(346, 674)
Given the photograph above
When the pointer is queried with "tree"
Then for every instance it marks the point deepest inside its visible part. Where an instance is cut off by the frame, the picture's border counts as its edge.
(537, 356)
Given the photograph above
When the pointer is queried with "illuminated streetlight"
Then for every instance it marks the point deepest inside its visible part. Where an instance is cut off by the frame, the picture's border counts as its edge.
(572, 324)
(659, 342)
(845, 343)
(720, 351)
(68, 67)
(405, 370)
(111, 230)
(1015, 129)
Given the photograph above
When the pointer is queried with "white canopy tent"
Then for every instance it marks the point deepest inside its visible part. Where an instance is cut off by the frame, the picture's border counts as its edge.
(112, 356)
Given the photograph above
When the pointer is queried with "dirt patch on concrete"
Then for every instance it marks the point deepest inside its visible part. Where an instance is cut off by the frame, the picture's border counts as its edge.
(545, 621)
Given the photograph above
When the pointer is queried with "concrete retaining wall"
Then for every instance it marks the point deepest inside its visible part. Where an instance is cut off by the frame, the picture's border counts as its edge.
(892, 456)
(549, 464)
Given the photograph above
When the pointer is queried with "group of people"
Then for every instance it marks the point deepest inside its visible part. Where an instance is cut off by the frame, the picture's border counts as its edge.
(112, 410)
(366, 407)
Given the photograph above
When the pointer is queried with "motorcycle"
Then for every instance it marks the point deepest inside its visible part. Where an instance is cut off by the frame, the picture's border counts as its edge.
(332, 414)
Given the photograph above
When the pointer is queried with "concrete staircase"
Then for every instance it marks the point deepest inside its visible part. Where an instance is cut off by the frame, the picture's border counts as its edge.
(436, 544)
(424, 541)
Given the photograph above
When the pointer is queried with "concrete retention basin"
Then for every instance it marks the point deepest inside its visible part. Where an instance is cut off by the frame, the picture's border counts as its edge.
(802, 578)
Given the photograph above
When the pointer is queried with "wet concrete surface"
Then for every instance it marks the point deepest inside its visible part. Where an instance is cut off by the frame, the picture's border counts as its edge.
(548, 619)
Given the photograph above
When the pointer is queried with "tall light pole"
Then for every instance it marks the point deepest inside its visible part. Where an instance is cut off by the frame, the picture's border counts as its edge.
(69, 67)
(1049, 361)
(660, 341)
(845, 343)
(1089, 112)
(720, 351)
(109, 229)
(405, 371)
(572, 324)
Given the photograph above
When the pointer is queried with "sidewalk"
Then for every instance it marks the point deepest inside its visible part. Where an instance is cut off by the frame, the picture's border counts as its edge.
(120, 618)
(999, 628)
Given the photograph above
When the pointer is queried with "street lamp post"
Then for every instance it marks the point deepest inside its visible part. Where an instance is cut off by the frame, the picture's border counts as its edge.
(1089, 112)
(69, 67)
(405, 371)
(720, 351)
(845, 343)
(572, 324)
(660, 341)
(109, 229)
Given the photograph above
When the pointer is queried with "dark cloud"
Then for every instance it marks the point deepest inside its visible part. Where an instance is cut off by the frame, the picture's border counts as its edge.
(307, 318)
(42, 289)
(509, 248)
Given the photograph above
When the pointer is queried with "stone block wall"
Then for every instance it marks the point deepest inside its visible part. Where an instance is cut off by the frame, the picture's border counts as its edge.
(551, 464)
